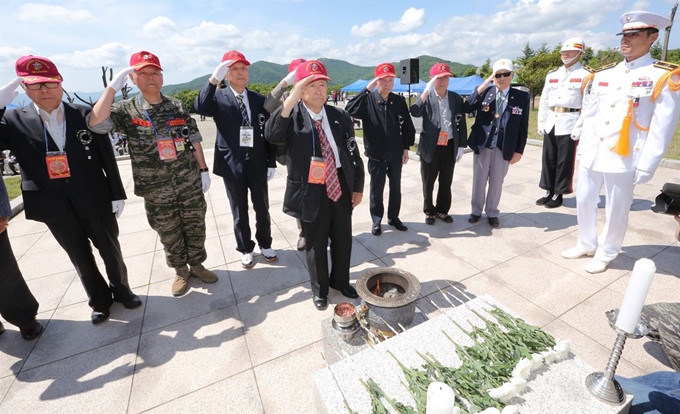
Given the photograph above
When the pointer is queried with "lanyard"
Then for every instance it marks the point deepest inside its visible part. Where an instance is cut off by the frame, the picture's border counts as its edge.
(314, 133)
(47, 138)
(155, 131)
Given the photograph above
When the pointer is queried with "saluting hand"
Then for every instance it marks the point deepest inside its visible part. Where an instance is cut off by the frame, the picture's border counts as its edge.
(371, 85)
(120, 79)
(220, 72)
(289, 79)
(295, 96)
(9, 92)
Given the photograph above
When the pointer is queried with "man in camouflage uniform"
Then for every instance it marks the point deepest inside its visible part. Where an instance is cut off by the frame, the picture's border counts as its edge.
(168, 166)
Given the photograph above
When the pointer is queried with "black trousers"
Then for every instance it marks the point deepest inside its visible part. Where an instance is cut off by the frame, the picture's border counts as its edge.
(74, 235)
(559, 157)
(334, 222)
(17, 304)
(237, 192)
(379, 171)
(441, 167)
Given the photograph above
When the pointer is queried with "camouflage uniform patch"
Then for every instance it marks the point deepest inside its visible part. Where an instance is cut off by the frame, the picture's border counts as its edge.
(173, 198)
(664, 322)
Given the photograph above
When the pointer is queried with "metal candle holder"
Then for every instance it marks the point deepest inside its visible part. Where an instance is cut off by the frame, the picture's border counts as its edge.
(602, 384)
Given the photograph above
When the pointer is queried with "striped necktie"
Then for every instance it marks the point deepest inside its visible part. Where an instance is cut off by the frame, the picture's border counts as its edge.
(244, 111)
(332, 182)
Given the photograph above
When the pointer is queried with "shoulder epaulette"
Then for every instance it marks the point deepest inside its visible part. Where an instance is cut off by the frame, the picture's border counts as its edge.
(666, 65)
(588, 68)
(553, 70)
(605, 67)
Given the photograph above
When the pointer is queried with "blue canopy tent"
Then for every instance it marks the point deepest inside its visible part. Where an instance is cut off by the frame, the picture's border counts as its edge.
(10, 106)
(464, 86)
(356, 86)
(416, 87)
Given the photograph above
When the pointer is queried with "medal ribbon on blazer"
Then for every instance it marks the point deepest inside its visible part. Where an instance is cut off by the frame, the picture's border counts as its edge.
(332, 181)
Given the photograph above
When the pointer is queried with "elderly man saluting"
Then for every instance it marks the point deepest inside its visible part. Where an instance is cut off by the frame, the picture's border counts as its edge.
(325, 177)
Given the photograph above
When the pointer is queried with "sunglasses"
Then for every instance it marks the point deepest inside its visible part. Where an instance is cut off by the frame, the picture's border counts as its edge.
(37, 86)
(502, 75)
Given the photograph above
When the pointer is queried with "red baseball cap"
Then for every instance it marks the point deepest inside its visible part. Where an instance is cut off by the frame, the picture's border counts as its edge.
(36, 69)
(311, 68)
(235, 56)
(295, 63)
(143, 59)
(385, 70)
(440, 69)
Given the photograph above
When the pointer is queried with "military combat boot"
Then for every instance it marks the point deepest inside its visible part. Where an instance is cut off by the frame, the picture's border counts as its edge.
(202, 273)
(181, 283)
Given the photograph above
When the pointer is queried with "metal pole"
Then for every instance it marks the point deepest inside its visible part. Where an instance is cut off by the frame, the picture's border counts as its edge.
(664, 49)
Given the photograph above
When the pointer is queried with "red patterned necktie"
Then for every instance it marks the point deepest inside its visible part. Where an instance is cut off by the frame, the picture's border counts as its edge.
(332, 182)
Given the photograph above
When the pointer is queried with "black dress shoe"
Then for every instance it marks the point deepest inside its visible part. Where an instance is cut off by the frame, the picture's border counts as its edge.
(100, 316)
(554, 202)
(376, 229)
(31, 330)
(429, 220)
(493, 222)
(445, 217)
(397, 224)
(473, 218)
(349, 292)
(320, 303)
(130, 303)
(541, 201)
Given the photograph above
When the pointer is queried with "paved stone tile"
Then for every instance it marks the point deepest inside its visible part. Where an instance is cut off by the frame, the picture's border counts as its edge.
(130, 223)
(273, 384)
(49, 290)
(5, 383)
(181, 358)
(163, 309)
(215, 252)
(159, 269)
(269, 321)
(137, 243)
(14, 350)
(668, 260)
(265, 278)
(98, 380)
(21, 244)
(20, 226)
(44, 263)
(236, 394)
(139, 269)
(664, 287)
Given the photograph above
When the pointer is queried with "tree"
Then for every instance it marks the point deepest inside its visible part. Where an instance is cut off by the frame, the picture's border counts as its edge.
(605, 57)
(470, 71)
(656, 50)
(484, 71)
(527, 52)
(187, 97)
(533, 72)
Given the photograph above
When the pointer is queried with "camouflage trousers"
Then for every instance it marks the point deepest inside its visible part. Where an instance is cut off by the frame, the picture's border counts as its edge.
(177, 213)
(664, 323)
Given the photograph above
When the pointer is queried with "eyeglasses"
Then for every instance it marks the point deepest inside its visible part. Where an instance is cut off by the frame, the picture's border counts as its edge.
(502, 75)
(38, 86)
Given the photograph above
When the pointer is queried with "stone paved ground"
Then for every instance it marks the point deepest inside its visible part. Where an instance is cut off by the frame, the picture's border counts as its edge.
(251, 342)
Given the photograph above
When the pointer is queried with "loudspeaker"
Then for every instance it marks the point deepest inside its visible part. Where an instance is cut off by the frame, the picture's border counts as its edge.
(410, 71)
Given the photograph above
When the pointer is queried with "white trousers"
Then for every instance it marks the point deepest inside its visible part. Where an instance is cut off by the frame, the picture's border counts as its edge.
(618, 190)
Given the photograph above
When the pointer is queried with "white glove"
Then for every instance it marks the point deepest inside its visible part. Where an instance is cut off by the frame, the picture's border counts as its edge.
(642, 177)
(574, 137)
(290, 78)
(119, 80)
(221, 70)
(117, 207)
(459, 156)
(205, 181)
(270, 173)
(541, 132)
(9, 92)
(428, 87)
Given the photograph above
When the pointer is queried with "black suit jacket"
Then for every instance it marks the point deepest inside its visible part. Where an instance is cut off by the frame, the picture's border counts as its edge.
(431, 114)
(230, 157)
(514, 121)
(302, 199)
(94, 182)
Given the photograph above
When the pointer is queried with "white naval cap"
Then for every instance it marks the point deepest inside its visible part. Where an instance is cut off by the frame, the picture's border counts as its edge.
(635, 21)
(573, 43)
(502, 64)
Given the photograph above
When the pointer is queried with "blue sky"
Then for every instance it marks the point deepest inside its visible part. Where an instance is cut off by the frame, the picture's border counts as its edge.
(191, 36)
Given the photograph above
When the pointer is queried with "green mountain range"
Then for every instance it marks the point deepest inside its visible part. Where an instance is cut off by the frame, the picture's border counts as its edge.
(342, 72)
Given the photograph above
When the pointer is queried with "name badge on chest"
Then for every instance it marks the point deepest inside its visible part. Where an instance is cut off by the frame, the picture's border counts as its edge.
(443, 139)
(166, 149)
(57, 165)
(317, 171)
(246, 136)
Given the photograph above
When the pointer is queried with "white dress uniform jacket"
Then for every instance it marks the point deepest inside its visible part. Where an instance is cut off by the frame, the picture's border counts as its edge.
(605, 107)
(562, 89)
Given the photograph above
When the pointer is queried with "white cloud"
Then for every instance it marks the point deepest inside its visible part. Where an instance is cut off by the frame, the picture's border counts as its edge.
(370, 29)
(157, 27)
(114, 55)
(411, 19)
(57, 15)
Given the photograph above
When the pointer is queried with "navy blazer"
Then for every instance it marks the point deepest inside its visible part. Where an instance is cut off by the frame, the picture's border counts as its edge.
(94, 182)
(230, 157)
(514, 121)
(430, 112)
(302, 200)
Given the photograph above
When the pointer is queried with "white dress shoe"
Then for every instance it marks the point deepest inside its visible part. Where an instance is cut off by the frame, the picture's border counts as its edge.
(596, 266)
(576, 252)
(269, 255)
(247, 260)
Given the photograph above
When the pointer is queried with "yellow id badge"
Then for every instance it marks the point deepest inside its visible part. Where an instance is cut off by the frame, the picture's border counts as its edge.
(179, 144)
(166, 149)
(317, 171)
(57, 165)
(443, 139)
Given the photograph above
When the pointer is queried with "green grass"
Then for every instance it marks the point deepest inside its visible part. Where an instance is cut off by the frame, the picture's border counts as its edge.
(13, 185)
